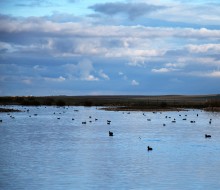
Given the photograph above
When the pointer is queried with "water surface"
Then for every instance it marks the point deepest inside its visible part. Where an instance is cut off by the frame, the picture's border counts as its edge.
(42, 152)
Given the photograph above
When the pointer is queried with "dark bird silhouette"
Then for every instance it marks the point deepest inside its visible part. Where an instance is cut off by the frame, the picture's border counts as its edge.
(149, 148)
(207, 136)
(110, 133)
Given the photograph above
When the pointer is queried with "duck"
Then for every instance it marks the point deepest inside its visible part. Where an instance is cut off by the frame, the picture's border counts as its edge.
(207, 136)
(149, 148)
(110, 133)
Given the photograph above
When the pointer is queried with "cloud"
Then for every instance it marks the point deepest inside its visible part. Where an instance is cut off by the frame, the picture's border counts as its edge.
(133, 10)
(83, 71)
(210, 74)
(41, 27)
(103, 75)
(175, 65)
(215, 74)
(204, 74)
(90, 78)
(137, 61)
(34, 3)
(27, 81)
(134, 83)
(121, 74)
(214, 48)
(59, 79)
(39, 68)
(162, 70)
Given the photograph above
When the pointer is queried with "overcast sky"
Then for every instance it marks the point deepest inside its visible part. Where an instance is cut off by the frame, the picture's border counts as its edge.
(109, 47)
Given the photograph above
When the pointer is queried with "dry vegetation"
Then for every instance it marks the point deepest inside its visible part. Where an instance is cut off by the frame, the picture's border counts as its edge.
(170, 102)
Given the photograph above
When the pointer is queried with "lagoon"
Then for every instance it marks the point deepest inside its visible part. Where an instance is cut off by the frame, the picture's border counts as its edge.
(41, 152)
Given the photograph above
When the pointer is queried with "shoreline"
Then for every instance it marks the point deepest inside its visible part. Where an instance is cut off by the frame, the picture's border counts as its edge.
(3, 110)
(116, 108)
(121, 103)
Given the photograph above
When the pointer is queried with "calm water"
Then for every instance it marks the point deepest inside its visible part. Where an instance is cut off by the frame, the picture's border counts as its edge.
(42, 152)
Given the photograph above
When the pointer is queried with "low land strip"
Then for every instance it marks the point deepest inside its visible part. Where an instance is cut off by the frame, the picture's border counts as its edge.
(122, 103)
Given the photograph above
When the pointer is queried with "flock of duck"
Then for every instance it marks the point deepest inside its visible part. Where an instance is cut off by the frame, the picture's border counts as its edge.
(111, 134)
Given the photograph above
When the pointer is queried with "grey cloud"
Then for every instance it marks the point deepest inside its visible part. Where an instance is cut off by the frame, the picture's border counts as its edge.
(133, 10)
(41, 27)
(35, 3)
(137, 45)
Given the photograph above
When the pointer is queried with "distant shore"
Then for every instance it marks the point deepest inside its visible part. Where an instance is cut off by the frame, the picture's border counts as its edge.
(122, 103)
(115, 108)
(9, 110)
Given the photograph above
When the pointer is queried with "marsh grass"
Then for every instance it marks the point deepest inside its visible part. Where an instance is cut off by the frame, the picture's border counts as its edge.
(169, 102)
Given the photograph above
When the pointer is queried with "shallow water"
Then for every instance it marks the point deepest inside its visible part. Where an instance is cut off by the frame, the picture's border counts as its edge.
(42, 152)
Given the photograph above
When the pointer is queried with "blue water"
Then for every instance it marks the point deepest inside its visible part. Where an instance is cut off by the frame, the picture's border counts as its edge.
(42, 152)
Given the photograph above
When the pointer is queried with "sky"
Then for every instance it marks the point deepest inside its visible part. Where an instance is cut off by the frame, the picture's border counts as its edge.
(109, 47)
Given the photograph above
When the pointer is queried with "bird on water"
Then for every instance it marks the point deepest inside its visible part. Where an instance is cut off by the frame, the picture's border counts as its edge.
(149, 148)
(207, 136)
(110, 133)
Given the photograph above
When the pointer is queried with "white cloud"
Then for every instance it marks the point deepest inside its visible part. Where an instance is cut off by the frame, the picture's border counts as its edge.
(209, 74)
(175, 65)
(59, 79)
(120, 73)
(215, 74)
(39, 68)
(90, 78)
(161, 70)
(134, 83)
(6, 47)
(131, 53)
(103, 75)
(83, 70)
(214, 48)
(73, 29)
(27, 81)
(137, 62)
(184, 11)
(124, 77)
